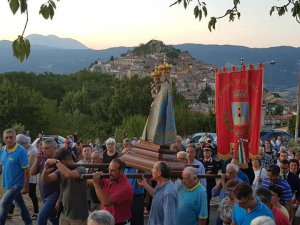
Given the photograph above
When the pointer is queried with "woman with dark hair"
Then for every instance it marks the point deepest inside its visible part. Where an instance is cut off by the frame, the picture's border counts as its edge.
(260, 174)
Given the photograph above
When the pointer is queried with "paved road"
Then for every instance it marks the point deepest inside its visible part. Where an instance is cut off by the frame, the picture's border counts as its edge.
(16, 220)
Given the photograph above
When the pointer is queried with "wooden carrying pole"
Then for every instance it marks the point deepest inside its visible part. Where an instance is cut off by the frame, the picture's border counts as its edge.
(147, 176)
(101, 165)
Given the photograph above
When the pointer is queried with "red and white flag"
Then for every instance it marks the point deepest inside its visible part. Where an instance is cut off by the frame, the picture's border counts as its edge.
(238, 112)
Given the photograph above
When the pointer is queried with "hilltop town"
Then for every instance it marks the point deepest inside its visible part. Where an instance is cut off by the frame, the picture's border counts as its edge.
(193, 79)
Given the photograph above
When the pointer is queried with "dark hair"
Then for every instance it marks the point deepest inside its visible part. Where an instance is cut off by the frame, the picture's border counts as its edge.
(164, 169)
(274, 169)
(87, 146)
(276, 189)
(120, 162)
(231, 183)
(243, 190)
(295, 161)
(285, 162)
(264, 195)
(62, 154)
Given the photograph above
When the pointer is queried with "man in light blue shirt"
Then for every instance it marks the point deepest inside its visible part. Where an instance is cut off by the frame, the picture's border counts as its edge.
(14, 167)
(192, 206)
(247, 207)
(191, 154)
(165, 196)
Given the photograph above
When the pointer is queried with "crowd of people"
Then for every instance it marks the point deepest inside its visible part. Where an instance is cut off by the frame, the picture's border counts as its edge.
(267, 192)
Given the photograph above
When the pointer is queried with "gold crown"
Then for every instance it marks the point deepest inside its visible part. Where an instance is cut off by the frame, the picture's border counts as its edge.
(162, 69)
(155, 74)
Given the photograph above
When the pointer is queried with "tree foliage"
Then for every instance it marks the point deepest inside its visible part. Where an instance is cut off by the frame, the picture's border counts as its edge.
(91, 104)
(200, 10)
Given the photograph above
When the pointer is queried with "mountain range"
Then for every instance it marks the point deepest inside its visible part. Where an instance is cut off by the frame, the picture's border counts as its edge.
(64, 56)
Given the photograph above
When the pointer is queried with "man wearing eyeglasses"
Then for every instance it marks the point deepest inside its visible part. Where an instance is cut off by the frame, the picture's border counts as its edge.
(192, 206)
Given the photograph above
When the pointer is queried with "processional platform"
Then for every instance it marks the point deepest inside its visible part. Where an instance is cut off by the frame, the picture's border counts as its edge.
(145, 154)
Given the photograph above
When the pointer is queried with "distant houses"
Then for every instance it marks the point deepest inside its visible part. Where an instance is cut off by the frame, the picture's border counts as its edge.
(192, 78)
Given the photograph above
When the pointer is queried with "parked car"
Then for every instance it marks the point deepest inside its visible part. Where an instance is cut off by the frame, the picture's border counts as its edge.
(264, 135)
(59, 140)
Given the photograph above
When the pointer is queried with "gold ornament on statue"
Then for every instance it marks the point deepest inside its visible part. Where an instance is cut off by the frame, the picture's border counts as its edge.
(155, 74)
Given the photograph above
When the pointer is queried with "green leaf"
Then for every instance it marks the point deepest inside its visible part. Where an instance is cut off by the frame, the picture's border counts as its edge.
(15, 48)
(44, 11)
(200, 14)
(51, 11)
(22, 49)
(235, 2)
(204, 10)
(14, 6)
(231, 17)
(23, 5)
(53, 4)
(212, 23)
(27, 48)
(238, 15)
(272, 10)
(196, 11)
(185, 3)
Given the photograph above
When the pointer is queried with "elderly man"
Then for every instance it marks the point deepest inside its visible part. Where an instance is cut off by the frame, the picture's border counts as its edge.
(49, 191)
(101, 217)
(265, 159)
(247, 207)
(115, 193)
(182, 157)
(165, 196)
(191, 154)
(15, 176)
(192, 204)
(200, 148)
(127, 143)
(178, 146)
(273, 178)
(231, 173)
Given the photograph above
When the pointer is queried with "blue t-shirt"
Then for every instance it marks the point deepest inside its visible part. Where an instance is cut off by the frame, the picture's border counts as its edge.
(164, 205)
(192, 205)
(13, 165)
(137, 189)
(241, 217)
(243, 176)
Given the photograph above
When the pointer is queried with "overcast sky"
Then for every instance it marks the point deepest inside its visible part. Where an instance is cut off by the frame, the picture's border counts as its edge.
(101, 24)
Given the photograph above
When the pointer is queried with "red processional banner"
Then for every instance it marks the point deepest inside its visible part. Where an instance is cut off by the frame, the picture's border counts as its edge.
(238, 112)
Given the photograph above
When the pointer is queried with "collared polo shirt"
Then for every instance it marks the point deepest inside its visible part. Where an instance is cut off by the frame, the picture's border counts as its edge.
(13, 164)
(285, 187)
(192, 205)
(122, 192)
(241, 217)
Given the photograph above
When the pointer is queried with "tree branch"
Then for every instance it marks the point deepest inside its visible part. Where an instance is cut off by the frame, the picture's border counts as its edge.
(234, 9)
(25, 23)
(286, 5)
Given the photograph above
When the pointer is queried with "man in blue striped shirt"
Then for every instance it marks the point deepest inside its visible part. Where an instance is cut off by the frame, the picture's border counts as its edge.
(273, 178)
